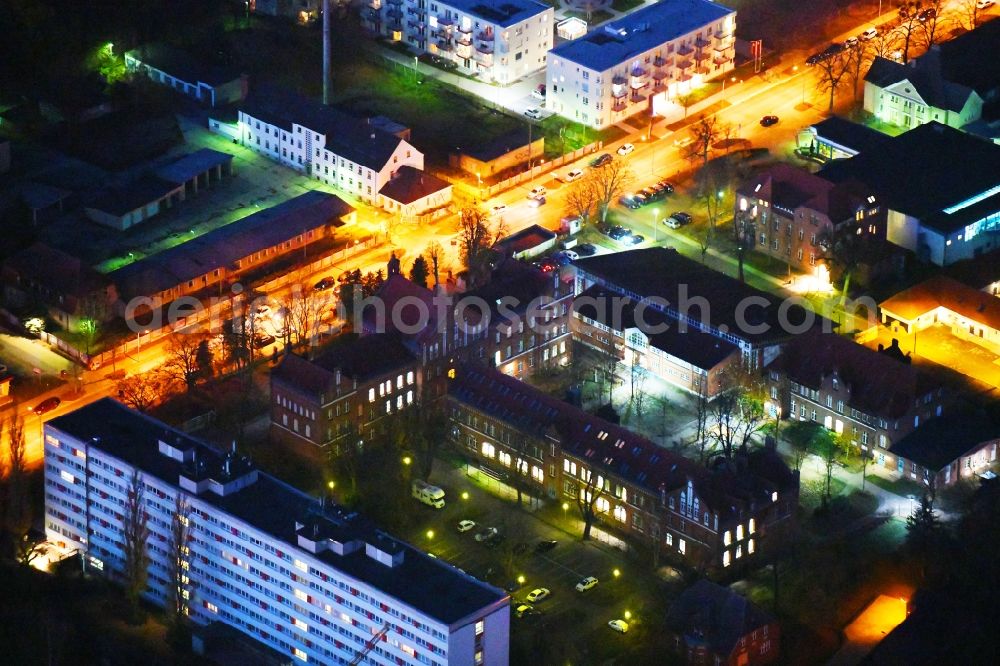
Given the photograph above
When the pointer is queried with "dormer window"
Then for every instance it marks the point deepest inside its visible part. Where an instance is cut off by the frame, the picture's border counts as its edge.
(836, 384)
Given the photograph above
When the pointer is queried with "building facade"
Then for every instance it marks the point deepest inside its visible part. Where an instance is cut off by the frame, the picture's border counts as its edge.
(949, 449)
(210, 85)
(643, 63)
(303, 578)
(497, 42)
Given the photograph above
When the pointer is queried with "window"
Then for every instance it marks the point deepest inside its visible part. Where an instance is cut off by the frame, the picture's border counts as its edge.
(739, 532)
(752, 526)
(480, 628)
(489, 450)
(301, 655)
(726, 559)
(682, 546)
(727, 538)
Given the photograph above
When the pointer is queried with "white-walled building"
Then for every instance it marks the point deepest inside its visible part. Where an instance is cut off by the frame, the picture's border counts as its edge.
(499, 40)
(641, 63)
(305, 579)
(209, 84)
(352, 154)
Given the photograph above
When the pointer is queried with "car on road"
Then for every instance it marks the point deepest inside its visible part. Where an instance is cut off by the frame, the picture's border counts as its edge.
(533, 113)
(851, 42)
(536, 202)
(570, 176)
(499, 208)
(466, 525)
(524, 609)
(46, 405)
(767, 121)
(634, 239)
(683, 141)
(324, 284)
(601, 160)
(546, 546)
(586, 584)
(586, 250)
(927, 15)
(626, 149)
(869, 34)
(678, 220)
(537, 191)
(489, 532)
(621, 626)
(262, 341)
(828, 52)
(547, 265)
(538, 594)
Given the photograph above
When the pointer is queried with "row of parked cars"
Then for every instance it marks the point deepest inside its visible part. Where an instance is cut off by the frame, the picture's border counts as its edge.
(647, 195)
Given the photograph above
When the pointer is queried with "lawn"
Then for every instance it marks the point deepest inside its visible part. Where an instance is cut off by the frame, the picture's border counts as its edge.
(625, 5)
(901, 487)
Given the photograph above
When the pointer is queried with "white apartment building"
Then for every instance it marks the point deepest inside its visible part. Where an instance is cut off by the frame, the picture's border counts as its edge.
(342, 151)
(641, 63)
(498, 40)
(300, 577)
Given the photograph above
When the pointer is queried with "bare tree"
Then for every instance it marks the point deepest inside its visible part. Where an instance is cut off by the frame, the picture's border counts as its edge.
(182, 358)
(586, 500)
(745, 236)
(932, 17)
(710, 185)
(135, 534)
(581, 197)
(610, 181)
(303, 314)
(705, 242)
(17, 510)
(180, 528)
(686, 101)
(909, 28)
(832, 448)
(885, 43)
(970, 12)
(637, 380)
(702, 411)
(142, 391)
(704, 135)
(832, 71)
(435, 253)
(859, 59)
(476, 240)
(737, 412)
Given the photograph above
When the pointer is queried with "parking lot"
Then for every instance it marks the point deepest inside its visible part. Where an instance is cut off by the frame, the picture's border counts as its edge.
(567, 617)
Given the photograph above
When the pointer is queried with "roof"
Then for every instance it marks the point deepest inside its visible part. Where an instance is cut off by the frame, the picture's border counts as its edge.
(397, 289)
(525, 239)
(421, 582)
(120, 201)
(57, 272)
(691, 345)
(663, 273)
(182, 65)
(979, 271)
(411, 184)
(500, 12)
(945, 292)
(498, 146)
(940, 441)
(847, 134)
(962, 58)
(193, 164)
(789, 188)
(716, 615)
(874, 383)
(355, 139)
(367, 357)
(618, 42)
(230, 243)
(615, 449)
(924, 73)
(925, 170)
(38, 196)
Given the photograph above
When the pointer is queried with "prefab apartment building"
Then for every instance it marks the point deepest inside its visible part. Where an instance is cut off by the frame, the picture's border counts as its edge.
(300, 577)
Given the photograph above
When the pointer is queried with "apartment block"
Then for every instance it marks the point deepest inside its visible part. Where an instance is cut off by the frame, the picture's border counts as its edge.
(642, 63)
(296, 574)
(497, 40)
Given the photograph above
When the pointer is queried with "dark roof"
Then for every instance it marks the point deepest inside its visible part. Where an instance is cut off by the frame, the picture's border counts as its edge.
(716, 615)
(616, 450)
(192, 164)
(393, 291)
(119, 201)
(411, 184)
(514, 284)
(61, 274)
(937, 443)
(944, 292)
(367, 356)
(230, 243)
(979, 271)
(620, 41)
(525, 239)
(925, 170)
(691, 345)
(788, 188)
(963, 62)
(182, 65)
(355, 139)
(664, 273)
(421, 582)
(851, 135)
(924, 73)
(872, 382)
(498, 146)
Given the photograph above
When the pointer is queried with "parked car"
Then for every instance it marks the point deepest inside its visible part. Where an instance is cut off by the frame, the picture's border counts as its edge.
(499, 208)
(632, 201)
(869, 34)
(466, 525)
(621, 626)
(767, 121)
(665, 186)
(626, 149)
(927, 15)
(618, 232)
(575, 174)
(324, 284)
(494, 541)
(828, 52)
(262, 341)
(537, 191)
(547, 265)
(601, 160)
(487, 533)
(536, 202)
(546, 546)
(634, 239)
(524, 609)
(46, 405)
(984, 4)
(567, 255)
(586, 250)
(678, 220)
(851, 42)
(538, 594)
(539, 92)
(533, 113)
(586, 584)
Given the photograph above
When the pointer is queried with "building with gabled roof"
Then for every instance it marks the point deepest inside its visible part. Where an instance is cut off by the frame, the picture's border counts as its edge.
(412, 192)
(299, 575)
(711, 516)
(949, 448)
(711, 624)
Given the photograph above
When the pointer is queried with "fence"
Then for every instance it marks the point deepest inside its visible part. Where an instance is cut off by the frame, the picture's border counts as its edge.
(489, 191)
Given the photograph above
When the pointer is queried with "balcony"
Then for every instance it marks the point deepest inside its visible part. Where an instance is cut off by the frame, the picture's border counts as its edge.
(721, 59)
(394, 24)
(685, 50)
(445, 22)
(701, 43)
(659, 62)
(484, 59)
(484, 48)
(659, 75)
(466, 29)
(463, 50)
(420, 14)
(683, 63)
(723, 45)
(485, 35)
(637, 82)
(702, 69)
(701, 55)
(445, 45)
(618, 91)
(415, 25)
(659, 87)
(618, 80)
(636, 97)
(619, 105)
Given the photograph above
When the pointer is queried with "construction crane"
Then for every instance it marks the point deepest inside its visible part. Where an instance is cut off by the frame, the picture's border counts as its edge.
(370, 645)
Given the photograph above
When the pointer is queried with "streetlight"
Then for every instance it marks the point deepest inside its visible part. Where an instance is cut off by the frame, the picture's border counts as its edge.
(430, 534)
(616, 573)
(628, 615)
(407, 460)
(520, 579)
(465, 495)
(565, 506)
(416, 72)
(331, 485)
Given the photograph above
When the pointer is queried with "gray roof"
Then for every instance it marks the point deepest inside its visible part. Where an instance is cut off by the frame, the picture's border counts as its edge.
(640, 31)
(851, 135)
(940, 441)
(120, 201)
(716, 615)
(182, 65)
(356, 139)
(226, 245)
(500, 12)
(272, 506)
(192, 164)
(411, 184)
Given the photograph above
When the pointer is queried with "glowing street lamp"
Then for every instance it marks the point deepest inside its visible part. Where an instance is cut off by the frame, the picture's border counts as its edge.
(616, 573)
(407, 460)
(520, 579)
(331, 484)
(465, 495)
(430, 534)
(628, 615)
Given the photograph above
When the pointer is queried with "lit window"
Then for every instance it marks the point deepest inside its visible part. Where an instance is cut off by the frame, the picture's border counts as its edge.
(80, 454)
(409, 377)
(752, 526)
(774, 496)
(725, 559)
(300, 624)
(479, 657)
(371, 395)
(727, 538)
(739, 532)
(619, 513)
(670, 539)
(408, 650)
(299, 594)
(301, 655)
(739, 552)
(346, 618)
(301, 566)
(212, 608)
(480, 627)
(681, 546)
(750, 547)
(67, 477)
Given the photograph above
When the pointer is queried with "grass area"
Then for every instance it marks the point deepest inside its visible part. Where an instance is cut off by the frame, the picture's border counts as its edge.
(596, 18)
(901, 487)
(625, 5)
(811, 492)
